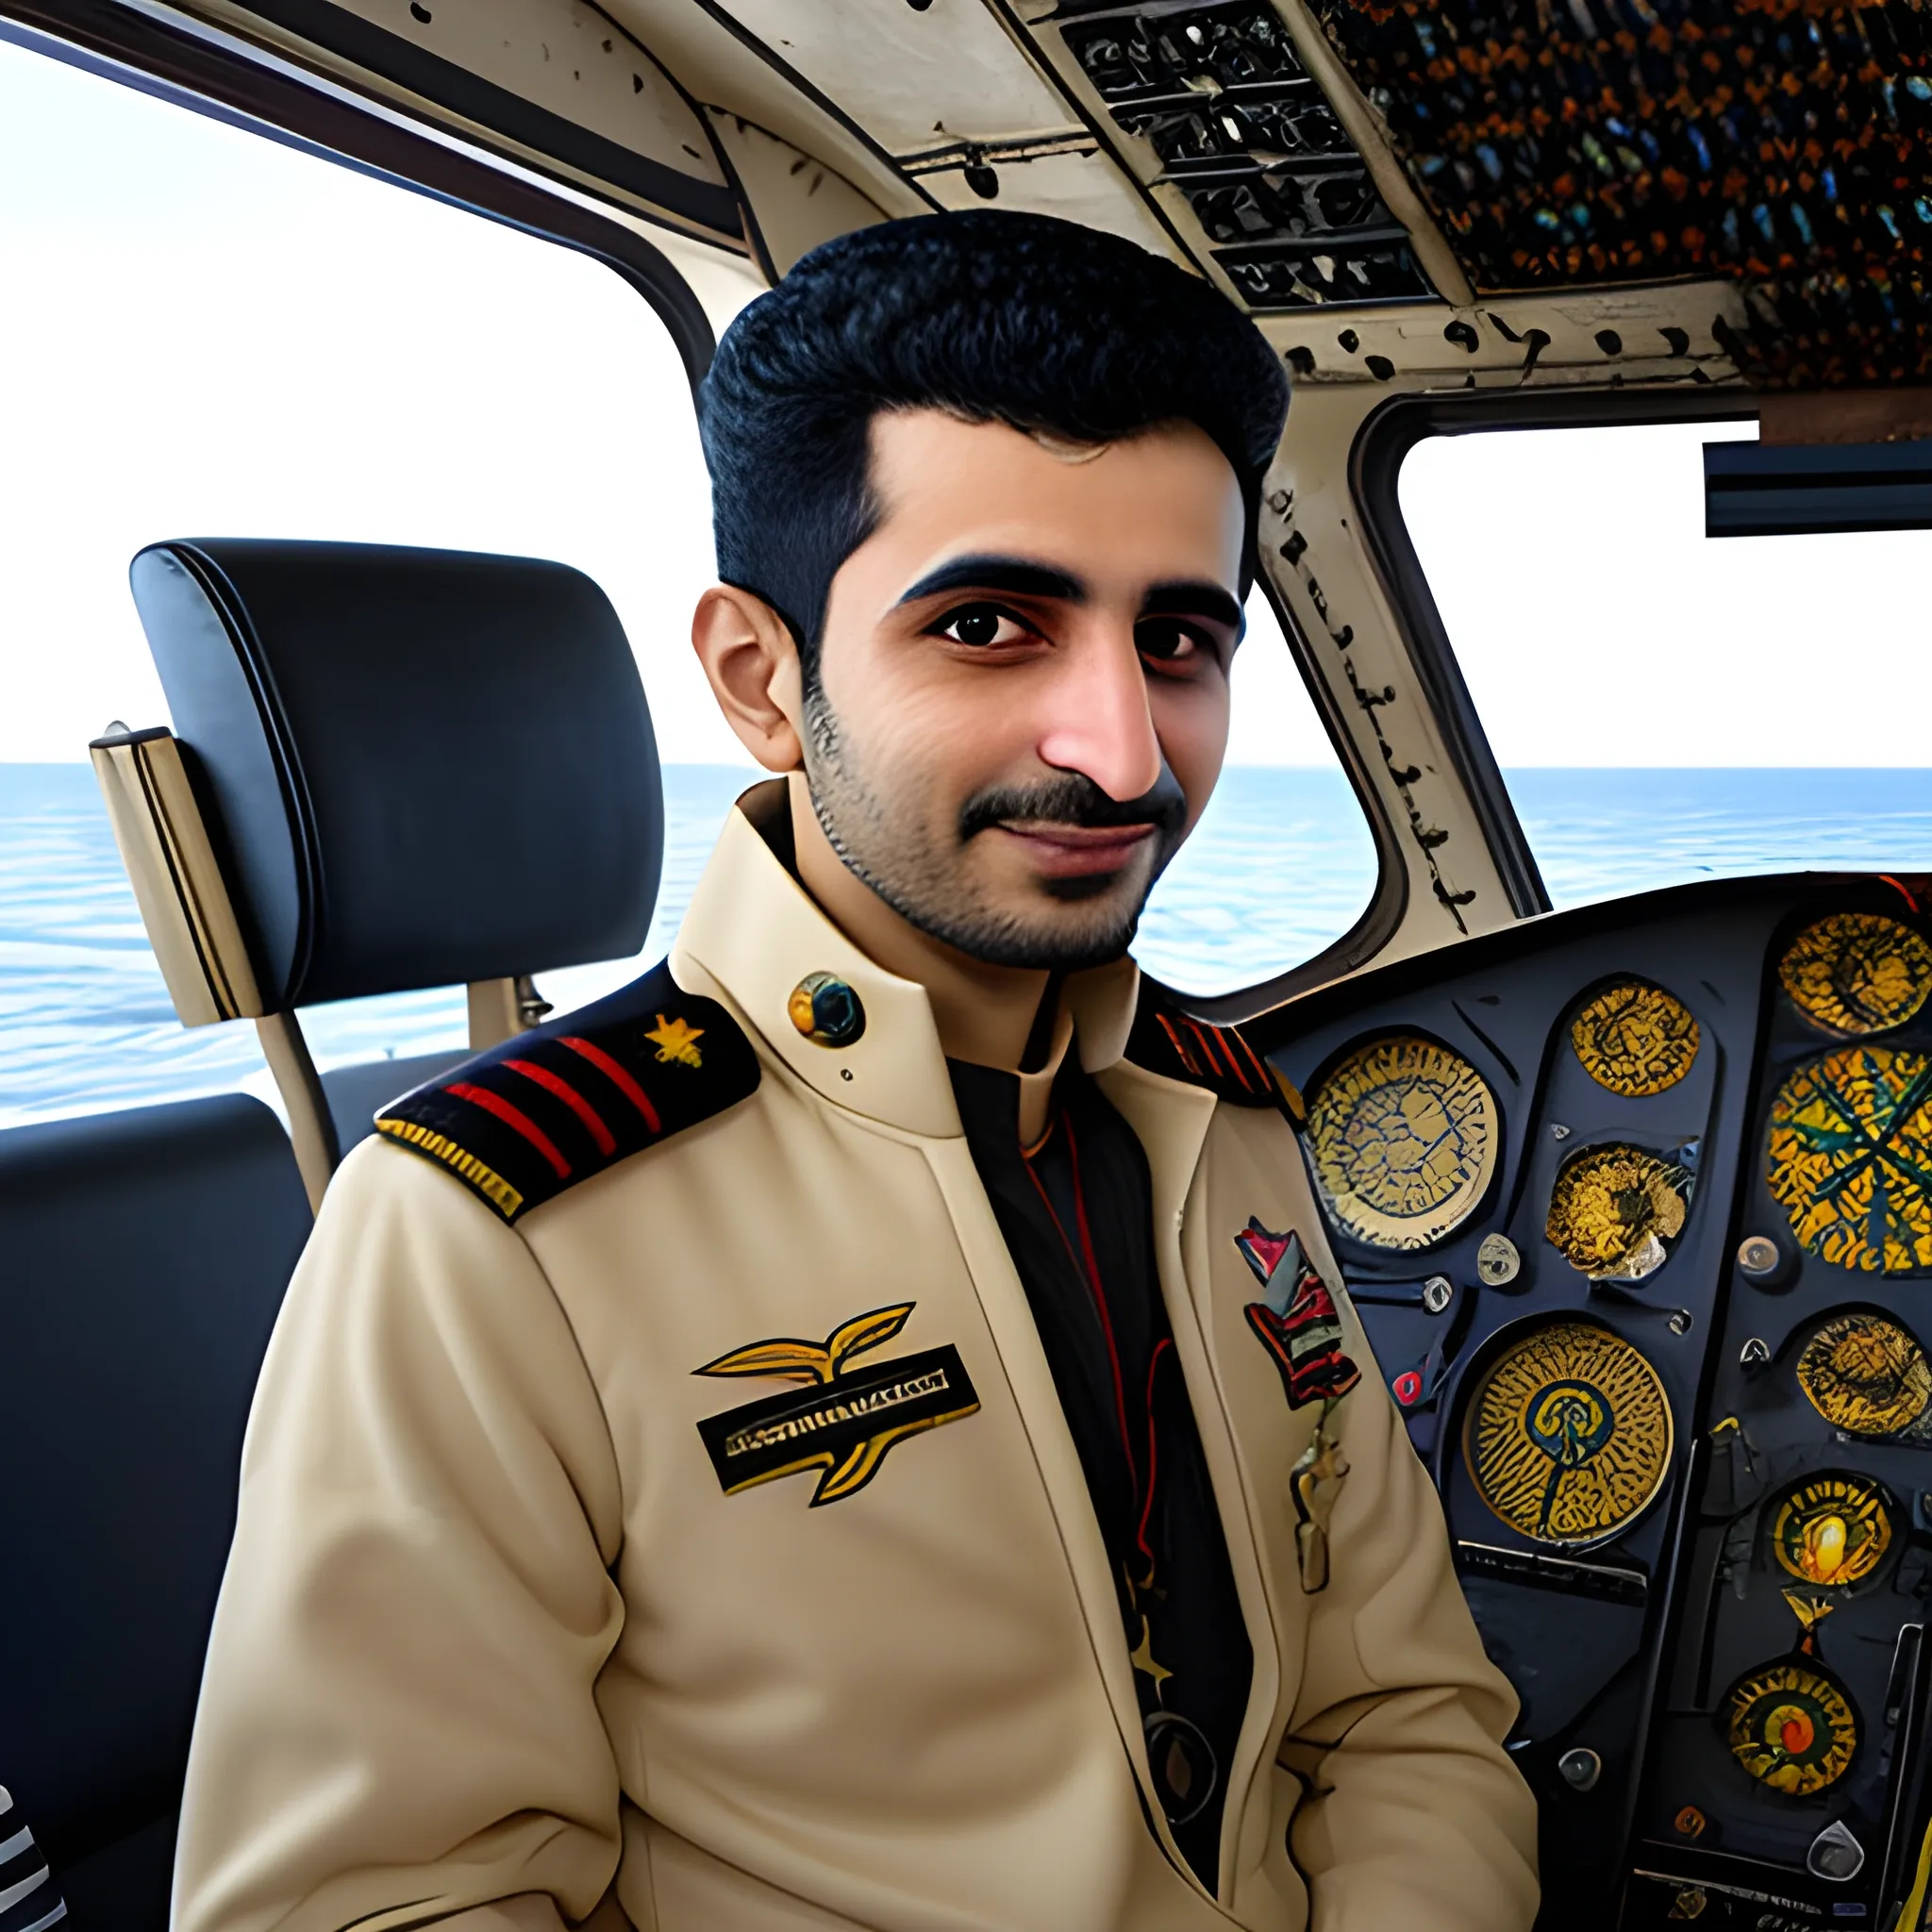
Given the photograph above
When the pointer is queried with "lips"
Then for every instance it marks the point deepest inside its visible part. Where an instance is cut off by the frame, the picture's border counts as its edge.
(1067, 852)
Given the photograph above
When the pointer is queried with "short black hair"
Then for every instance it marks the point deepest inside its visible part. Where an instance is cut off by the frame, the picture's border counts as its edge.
(1009, 318)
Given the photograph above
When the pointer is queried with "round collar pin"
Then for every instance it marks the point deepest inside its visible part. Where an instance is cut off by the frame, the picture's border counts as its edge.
(826, 1010)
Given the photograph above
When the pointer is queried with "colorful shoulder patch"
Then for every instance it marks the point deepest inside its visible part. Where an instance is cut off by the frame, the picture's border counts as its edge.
(521, 1124)
(1296, 1320)
(1165, 1040)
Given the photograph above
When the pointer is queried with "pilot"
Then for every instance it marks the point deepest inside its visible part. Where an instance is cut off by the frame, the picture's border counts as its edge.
(862, 1427)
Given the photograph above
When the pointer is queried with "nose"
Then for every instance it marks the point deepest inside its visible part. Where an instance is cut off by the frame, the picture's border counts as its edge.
(1098, 722)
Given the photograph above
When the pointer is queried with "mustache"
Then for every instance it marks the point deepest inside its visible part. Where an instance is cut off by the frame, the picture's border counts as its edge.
(1075, 799)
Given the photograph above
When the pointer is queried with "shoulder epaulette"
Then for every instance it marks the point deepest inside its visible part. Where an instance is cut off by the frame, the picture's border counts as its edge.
(1166, 1041)
(526, 1120)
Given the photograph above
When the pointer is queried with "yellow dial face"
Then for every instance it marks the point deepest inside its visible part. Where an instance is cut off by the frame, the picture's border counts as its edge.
(1569, 1437)
(1634, 1040)
(1865, 1376)
(1404, 1136)
(1832, 1530)
(1858, 973)
(1850, 1157)
(1612, 1209)
(1791, 1728)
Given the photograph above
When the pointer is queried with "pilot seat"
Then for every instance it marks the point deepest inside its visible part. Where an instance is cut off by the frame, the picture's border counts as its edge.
(390, 769)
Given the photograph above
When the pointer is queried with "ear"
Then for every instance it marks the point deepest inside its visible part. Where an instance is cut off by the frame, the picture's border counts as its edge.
(756, 676)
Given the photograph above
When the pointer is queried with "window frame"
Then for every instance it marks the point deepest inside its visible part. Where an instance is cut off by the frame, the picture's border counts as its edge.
(207, 78)
(1381, 446)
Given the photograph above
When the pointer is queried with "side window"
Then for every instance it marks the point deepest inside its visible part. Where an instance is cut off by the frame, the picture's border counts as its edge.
(1283, 862)
(212, 335)
(1667, 707)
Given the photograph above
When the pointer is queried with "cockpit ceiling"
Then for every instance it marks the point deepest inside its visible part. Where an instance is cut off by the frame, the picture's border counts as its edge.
(929, 76)
(1781, 143)
(1304, 154)
(1317, 152)
(1248, 145)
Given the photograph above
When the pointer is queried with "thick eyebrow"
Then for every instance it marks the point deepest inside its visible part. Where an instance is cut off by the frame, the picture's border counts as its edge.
(1017, 575)
(1195, 598)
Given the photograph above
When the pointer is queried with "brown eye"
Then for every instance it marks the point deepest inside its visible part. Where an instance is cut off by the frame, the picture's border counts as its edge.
(1167, 640)
(982, 625)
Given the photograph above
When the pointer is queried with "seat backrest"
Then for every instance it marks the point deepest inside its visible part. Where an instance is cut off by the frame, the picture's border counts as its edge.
(390, 769)
(400, 769)
(142, 1259)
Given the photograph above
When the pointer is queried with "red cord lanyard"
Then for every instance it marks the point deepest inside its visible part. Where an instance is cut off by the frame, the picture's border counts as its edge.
(1084, 1261)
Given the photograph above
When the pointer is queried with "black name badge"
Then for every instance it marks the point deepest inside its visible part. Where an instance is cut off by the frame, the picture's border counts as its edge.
(843, 1426)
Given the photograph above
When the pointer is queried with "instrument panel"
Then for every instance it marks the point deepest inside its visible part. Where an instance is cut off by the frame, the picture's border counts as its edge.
(1635, 1201)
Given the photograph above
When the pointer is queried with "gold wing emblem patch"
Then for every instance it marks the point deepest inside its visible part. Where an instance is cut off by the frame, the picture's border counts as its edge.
(841, 1420)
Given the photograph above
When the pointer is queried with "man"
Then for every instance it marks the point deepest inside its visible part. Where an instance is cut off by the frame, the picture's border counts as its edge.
(861, 1428)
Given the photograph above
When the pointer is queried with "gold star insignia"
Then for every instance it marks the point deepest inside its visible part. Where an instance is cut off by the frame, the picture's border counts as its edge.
(676, 1040)
(1142, 1657)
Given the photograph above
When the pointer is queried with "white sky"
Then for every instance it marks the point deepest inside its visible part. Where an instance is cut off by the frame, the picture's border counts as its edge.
(1596, 625)
(209, 335)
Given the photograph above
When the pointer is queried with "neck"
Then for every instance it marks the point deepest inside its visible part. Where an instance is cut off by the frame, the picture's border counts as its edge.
(985, 1014)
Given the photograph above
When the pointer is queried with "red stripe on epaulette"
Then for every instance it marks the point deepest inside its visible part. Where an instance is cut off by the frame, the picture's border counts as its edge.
(1219, 1053)
(554, 1084)
(617, 1077)
(1263, 1076)
(516, 1120)
(1229, 1039)
(1227, 1042)
(1180, 1045)
(1203, 1039)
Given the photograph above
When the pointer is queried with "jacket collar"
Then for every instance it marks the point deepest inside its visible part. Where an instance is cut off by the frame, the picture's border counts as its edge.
(756, 931)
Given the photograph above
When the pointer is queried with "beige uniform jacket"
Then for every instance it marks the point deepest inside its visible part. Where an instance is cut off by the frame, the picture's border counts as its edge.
(497, 1649)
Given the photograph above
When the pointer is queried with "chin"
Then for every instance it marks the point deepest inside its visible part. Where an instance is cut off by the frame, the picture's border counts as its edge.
(1053, 925)
(1066, 924)
(1064, 945)
(1081, 887)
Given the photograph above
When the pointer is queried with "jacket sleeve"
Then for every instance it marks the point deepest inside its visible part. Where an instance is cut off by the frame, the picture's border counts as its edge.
(397, 1721)
(1413, 1815)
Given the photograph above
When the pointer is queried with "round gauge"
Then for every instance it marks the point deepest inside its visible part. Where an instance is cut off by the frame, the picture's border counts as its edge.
(1850, 1157)
(1404, 1136)
(1866, 1375)
(1611, 1210)
(1634, 1040)
(1568, 1435)
(1791, 1727)
(1832, 1530)
(1858, 973)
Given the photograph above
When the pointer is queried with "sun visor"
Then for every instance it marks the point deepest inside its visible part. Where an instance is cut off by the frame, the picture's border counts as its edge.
(415, 767)
(1788, 489)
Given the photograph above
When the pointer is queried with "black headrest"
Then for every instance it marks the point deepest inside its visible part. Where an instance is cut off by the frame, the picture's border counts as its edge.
(419, 767)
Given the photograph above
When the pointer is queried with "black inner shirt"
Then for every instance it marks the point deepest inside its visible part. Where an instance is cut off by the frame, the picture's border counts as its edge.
(1076, 1212)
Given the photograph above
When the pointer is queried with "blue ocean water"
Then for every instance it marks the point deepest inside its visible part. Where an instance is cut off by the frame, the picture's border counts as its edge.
(1281, 865)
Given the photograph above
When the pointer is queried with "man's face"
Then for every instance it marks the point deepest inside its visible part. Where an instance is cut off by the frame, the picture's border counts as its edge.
(1022, 693)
